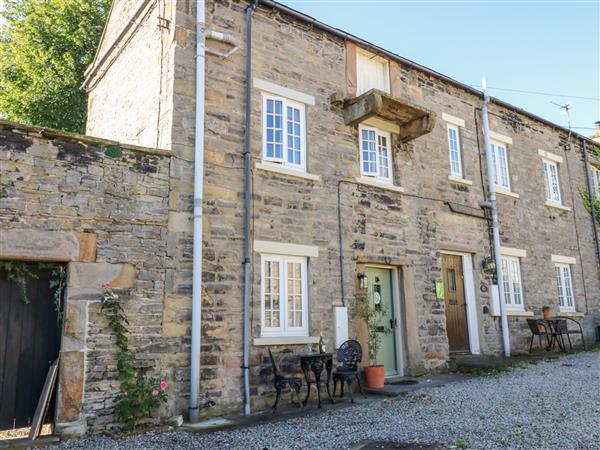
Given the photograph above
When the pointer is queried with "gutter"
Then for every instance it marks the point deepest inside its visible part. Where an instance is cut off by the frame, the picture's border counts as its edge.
(407, 62)
(197, 236)
(247, 263)
(491, 204)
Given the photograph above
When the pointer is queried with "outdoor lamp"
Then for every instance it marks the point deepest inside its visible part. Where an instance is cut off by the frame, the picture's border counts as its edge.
(363, 281)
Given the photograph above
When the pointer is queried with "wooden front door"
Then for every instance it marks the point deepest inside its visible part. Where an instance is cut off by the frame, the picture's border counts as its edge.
(456, 305)
(29, 344)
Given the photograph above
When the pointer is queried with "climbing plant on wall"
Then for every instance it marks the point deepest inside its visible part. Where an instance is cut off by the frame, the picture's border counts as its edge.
(138, 396)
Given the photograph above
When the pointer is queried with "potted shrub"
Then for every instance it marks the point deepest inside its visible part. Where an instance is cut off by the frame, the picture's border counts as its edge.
(547, 312)
(371, 315)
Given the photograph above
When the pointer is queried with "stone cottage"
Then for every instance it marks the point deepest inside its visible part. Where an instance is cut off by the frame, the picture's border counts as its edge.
(364, 174)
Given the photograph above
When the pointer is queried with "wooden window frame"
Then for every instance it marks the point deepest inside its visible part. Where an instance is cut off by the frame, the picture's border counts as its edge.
(456, 129)
(510, 293)
(284, 157)
(562, 285)
(547, 164)
(497, 165)
(364, 55)
(284, 329)
(390, 166)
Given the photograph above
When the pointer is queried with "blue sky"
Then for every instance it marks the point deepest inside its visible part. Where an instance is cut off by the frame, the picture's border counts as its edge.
(542, 46)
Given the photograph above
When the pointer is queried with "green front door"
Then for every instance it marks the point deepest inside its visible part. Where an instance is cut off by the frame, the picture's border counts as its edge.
(380, 296)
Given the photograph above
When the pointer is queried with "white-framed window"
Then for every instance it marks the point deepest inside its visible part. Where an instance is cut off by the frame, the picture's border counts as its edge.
(375, 153)
(595, 181)
(500, 156)
(371, 72)
(284, 132)
(284, 297)
(454, 149)
(551, 181)
(565, 287)
(513, 286)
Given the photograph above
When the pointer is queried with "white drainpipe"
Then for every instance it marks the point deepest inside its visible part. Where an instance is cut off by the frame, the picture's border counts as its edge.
(198, 183)
(491, 168)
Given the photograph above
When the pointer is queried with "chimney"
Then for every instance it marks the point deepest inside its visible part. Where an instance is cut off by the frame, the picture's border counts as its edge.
(596, 135)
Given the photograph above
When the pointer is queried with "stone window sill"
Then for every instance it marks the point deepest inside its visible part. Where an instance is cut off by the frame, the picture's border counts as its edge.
(282, 170)
(517, 313)
(557, 206)
(454, 179)
(506, 192)
(571, 314)
(286, 340)
(379, 184)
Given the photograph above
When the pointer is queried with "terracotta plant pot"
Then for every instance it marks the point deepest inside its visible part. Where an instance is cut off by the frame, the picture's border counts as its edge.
(374, 376)
(547, 314)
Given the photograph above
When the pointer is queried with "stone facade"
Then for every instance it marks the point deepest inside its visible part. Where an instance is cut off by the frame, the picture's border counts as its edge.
(101, 207)
(404, 230)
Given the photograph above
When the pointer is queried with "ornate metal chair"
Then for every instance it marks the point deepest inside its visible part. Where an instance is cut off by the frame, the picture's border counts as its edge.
(539, 329)
(279, 381)
(349, 355)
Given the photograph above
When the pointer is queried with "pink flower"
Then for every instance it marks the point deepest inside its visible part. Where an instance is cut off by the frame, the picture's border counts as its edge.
(164, 385)
(105, 285)
(154, 392)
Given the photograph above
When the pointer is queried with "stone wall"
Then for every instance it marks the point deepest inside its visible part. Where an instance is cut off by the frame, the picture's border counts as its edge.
(103, 208)
(407, 230)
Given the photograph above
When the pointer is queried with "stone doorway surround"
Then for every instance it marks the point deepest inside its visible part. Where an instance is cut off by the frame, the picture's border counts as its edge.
(84, 280)
(412, 363)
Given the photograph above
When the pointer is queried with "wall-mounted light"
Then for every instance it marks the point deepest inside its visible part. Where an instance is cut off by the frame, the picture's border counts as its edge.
(363, 281)
(488, 264)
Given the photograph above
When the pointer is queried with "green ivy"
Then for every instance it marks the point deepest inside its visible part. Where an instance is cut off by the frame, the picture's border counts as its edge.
(138, 396)
(20, 271)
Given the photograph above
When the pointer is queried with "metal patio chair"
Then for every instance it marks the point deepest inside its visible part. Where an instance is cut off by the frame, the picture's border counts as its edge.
(538, 328)
(562, 328)
(349, 355)
(279, 382)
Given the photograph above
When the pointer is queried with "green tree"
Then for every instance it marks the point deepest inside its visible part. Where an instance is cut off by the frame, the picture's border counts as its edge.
(45, 48)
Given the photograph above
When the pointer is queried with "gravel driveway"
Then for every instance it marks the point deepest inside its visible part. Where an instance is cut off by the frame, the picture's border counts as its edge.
(550, 405)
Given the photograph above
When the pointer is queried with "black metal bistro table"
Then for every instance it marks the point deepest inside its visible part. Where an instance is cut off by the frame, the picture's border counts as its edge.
(556, 338)
(315, 362)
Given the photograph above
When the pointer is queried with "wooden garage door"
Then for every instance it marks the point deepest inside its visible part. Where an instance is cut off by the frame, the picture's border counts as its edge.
(29, 343)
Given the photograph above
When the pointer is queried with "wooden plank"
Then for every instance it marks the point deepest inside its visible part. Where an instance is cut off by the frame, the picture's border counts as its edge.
(42, 406)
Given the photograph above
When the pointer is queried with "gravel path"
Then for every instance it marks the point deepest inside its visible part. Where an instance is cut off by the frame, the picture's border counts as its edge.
(549, 405)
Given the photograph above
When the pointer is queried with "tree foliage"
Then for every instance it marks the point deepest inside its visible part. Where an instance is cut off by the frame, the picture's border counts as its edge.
(45, 48)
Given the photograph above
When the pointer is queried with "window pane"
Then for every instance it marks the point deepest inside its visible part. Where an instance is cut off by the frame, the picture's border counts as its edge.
(294, 149)
(274, 129)
(271, 300)
(455, 166)
(294, 294)
(568, 286)
(384, 162)
(596, 181)
(451, 280)
(369, 152)
(516, 282)
(503, 166)
(493, 148)
(506, 282)
(553, 181)
(559, 284)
